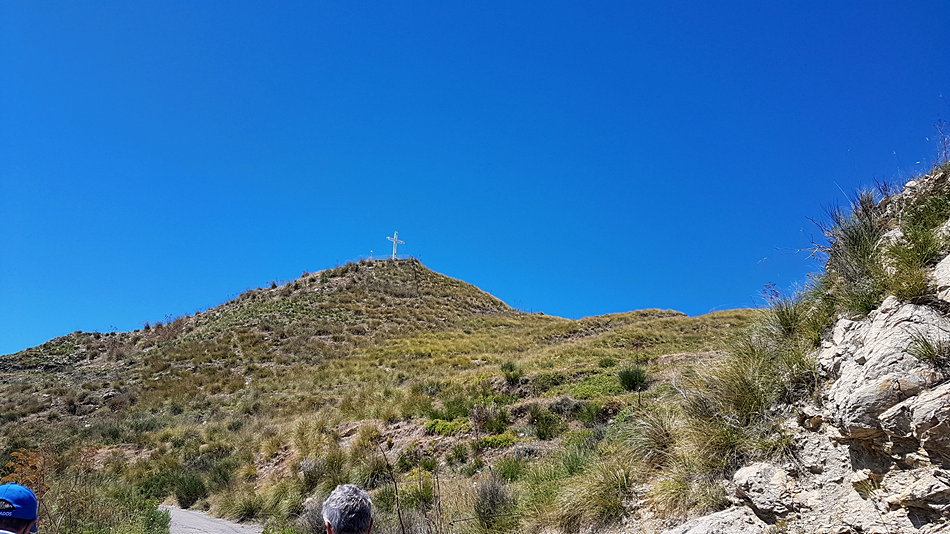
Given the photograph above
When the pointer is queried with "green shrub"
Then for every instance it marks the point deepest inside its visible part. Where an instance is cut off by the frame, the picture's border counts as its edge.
(547, 425)
(458, 454)
(155, 521)
(370, 472)
(417, 492)
(492, 418)
(596, 386)
(566, 406)
(607, 362)
(512, 372)
(428, 463)
(454, 406)
(506, 439)
(471, 468)
(579, 438)
(409, 458)
(447, 428)
(158, 485)
(384, 499)
(589, 414)
(545, 381)
(574, 460)
(243, 504)
(189, 488)
(633, 378)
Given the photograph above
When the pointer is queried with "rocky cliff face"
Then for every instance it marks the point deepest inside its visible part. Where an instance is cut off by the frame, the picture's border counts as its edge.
(873, 448)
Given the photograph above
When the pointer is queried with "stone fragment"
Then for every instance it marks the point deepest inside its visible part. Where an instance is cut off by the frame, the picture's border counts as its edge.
(924, 417)
(765, 488)
(735, 520)
(930, 492)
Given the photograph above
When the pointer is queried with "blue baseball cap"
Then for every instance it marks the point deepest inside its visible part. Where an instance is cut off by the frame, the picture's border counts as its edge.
(19, 502)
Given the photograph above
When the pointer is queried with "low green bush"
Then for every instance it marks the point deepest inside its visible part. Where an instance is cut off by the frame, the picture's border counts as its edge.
(417, 492)
(545, 381)
(547, 425)
(447, 428)
(458, 454)
(499, 441)
(189, 487)
(597, 386)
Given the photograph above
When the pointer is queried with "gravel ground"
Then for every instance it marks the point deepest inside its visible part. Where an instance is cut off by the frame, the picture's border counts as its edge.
(191, 522)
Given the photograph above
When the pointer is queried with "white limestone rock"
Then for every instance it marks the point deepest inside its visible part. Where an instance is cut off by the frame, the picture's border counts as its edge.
(874, 370)
(925, 418)
(736, 520)
(766, 489)
(940, 276)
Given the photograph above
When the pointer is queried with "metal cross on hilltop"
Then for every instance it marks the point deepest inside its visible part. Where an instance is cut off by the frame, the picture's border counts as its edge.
(396, 241)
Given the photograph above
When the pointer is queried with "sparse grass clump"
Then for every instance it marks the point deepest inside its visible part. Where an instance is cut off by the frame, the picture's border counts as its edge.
(596, 496)
(633, 378)
(854, 264)
(653, 435)
(512, 372)
(937, 352)
(494, 504)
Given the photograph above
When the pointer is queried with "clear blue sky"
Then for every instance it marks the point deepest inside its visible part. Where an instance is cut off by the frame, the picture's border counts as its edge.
(572, 158)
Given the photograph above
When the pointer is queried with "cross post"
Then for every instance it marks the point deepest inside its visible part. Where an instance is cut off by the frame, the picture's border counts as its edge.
(396, 241)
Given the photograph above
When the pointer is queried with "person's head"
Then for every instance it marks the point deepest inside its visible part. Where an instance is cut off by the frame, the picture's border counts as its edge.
(17, 509)
(348, 510)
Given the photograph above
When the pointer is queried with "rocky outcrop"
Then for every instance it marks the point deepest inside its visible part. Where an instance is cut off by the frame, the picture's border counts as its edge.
(873, 369)
(873, 453)
(873, 447)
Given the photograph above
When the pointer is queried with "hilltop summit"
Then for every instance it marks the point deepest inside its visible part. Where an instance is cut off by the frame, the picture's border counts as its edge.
(255, 406)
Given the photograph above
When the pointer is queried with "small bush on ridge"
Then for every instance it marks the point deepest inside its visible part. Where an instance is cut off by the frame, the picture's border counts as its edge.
(633, 378)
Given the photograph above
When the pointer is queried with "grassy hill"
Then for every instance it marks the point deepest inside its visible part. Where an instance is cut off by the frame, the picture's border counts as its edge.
(363, 373)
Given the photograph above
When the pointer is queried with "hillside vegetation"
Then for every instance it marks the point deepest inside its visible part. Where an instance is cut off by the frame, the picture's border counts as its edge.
(367, 373)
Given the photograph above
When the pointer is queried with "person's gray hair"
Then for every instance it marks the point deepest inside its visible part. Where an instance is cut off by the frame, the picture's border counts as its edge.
(348, 510)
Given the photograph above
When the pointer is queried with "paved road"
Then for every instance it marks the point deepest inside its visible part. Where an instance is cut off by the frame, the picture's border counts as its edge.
(191, 522)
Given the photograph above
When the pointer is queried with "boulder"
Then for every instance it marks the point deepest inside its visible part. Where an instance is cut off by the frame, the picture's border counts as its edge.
(930, 492)
(940, 277)
(736, 520)
(765, 488)
(925, 418)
